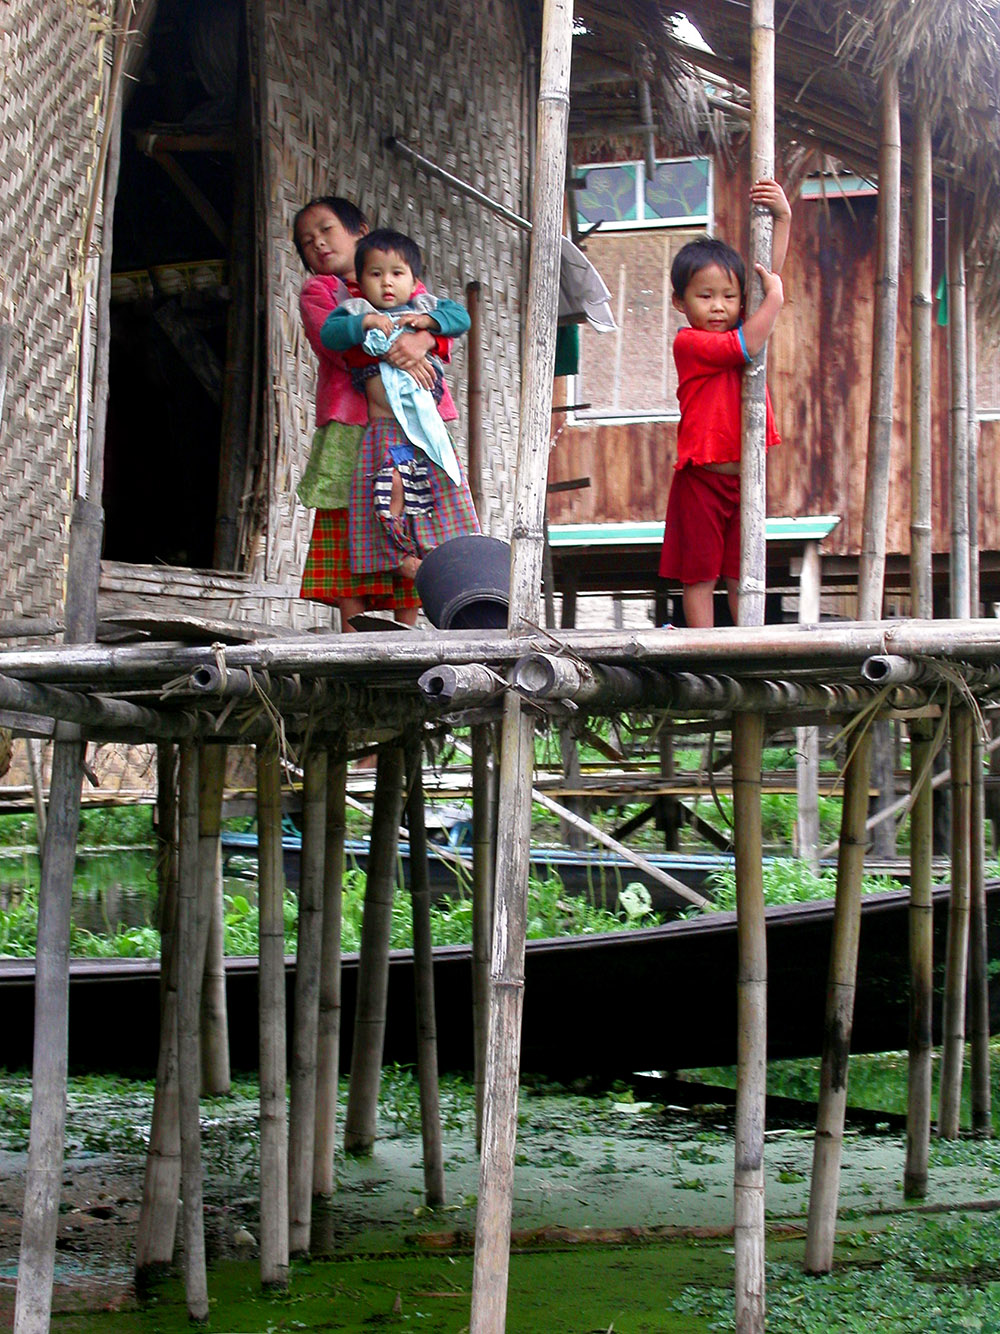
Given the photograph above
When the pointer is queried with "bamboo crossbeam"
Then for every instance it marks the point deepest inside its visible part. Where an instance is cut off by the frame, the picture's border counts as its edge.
(755, 649)
(91, 710)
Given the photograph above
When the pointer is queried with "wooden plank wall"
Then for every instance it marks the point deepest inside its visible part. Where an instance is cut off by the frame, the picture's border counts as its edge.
(819, 373)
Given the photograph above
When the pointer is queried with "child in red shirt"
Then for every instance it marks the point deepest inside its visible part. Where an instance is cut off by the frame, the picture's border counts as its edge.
(701, 539)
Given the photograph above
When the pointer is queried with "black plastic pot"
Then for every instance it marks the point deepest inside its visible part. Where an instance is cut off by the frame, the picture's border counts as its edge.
(464, 584)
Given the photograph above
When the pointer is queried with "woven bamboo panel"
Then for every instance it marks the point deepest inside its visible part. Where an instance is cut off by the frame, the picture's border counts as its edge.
(52, 74)
(449, 80)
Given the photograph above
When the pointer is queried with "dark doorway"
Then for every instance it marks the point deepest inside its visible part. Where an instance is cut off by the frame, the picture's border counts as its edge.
(171, 300)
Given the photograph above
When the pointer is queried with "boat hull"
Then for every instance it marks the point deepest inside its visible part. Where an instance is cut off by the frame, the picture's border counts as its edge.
(663, 998)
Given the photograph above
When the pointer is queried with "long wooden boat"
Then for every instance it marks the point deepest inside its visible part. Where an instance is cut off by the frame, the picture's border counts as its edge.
(662, 998)
(598, 873)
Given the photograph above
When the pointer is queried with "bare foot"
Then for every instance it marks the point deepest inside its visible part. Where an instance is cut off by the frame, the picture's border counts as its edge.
(409, 566)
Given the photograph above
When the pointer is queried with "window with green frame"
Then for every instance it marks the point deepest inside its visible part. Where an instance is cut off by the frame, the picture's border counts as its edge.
(620, 195)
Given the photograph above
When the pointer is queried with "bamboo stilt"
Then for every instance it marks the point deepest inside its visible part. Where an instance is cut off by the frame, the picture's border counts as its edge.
(43, 1180)
(423, 980)
(957, 948)
(308, 962)
(748, 741)
(328, 1031)
(822, 1224)
(979, 992)
(751, 1078)
(484, 799)
(496, 1177)
(157, 1229)
(921, 932)
(273, 1111)
(373, 963)
(823, 1193)
(188, 1060)
(215, 1074)
(921, 927)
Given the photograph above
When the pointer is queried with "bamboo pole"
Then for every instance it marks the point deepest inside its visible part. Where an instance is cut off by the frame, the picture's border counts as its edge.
(921, 933)
(822, 1223)
(753, 467)
(921, 597)
(373, 961)
(748, 741)
(474, 417)
(921, 915)
(979, 992)
(979, 995)
(328, 1032)
(215, 1073)
(273, 1122)
(959, 565)
(753, 648)
(751, 1037)
(484, 832)
(157, 1227)
(957, 947)
(496, 1178)
(188, 1007)
(807, 738)
(423, 979)
(956, 956)
(308, 968)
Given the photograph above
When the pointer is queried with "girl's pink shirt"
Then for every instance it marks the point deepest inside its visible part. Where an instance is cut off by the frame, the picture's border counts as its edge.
(336, 398)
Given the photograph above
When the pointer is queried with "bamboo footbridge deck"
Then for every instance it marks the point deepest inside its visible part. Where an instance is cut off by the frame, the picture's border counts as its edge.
(370, 686)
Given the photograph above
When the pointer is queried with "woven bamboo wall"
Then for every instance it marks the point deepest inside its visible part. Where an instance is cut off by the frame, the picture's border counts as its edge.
(52, 79)
(449, 79)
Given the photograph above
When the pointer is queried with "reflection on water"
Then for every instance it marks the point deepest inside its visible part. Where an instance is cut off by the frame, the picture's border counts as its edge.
(110, 890)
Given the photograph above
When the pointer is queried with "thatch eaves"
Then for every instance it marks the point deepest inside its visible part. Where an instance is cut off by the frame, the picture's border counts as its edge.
(829, 56)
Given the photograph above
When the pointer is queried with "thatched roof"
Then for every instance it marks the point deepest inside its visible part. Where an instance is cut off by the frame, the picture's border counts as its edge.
(829, 56)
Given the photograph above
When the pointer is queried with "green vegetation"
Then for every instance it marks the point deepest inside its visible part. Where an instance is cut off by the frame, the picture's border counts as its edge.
(787, 880)
(915, 1276)
(551, 912)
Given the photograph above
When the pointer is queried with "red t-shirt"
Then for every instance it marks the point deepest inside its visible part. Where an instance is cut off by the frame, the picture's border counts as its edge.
(709, 390)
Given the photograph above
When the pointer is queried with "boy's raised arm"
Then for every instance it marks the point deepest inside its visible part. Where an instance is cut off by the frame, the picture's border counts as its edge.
(769, 194)
(758, 326)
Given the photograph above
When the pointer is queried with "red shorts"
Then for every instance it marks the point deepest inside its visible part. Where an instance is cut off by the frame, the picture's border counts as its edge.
(327, 575)
(701, 536)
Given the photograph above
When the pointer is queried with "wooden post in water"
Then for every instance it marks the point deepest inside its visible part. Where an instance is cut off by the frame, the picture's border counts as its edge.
(273, 1065)
(496, 1176)
(748, 739)
(921, 916)
(921, 932)
(308, 961)
(328, 1033)
(157, 1228)
(957, 947)
(423, 978)
(484, 832)
(979, 991)
(751, 1036)
(188, 1008)
(825, 1186)
(215, 1074)
(957, 953)
(373, 963)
